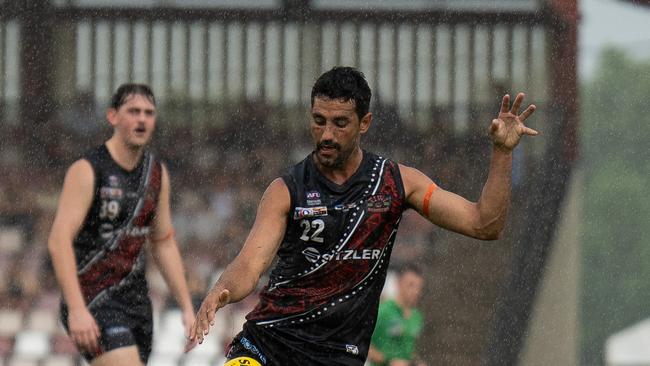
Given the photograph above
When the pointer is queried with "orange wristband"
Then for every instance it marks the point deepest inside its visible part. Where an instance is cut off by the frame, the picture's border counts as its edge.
(427, 197)
(169, 235)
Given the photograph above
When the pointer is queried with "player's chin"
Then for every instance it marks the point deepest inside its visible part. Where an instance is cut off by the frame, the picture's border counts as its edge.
(140, 141)
(327, 161)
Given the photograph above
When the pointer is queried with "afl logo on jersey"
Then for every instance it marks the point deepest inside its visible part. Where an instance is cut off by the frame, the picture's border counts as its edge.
(113, 181)
(379, 203)
(313, 198)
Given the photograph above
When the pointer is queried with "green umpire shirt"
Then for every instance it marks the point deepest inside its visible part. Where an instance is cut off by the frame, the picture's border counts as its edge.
(394, 334)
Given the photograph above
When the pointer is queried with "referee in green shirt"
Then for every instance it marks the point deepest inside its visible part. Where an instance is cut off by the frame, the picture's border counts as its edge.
(398, 323)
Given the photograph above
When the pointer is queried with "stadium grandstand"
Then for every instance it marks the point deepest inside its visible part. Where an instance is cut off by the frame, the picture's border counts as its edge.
(232, 80)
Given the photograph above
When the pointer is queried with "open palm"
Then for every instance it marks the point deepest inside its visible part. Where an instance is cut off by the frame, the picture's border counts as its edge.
(506, 130)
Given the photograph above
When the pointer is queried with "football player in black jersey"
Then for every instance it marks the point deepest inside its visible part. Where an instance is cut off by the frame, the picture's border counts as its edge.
(114, 200)
(332, 222)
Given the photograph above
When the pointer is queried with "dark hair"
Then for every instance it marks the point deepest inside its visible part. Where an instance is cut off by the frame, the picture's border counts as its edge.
(125, 90)
(345, 83)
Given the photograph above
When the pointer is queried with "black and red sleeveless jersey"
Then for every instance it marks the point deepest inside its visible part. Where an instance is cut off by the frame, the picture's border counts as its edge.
(320, 304)
(109, 247)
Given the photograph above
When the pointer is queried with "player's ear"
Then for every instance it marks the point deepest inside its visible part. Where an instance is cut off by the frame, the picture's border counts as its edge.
(365, 123)
(111, 116)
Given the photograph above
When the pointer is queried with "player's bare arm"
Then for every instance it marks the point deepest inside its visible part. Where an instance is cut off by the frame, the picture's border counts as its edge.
(485, 218)
(167, 256)
(242, 275)
(74, 202)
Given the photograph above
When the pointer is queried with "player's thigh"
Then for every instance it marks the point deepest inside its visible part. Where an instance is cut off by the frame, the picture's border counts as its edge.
(242, 361)
(119, 356)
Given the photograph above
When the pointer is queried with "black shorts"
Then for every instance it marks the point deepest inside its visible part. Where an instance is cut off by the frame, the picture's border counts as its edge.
(120, 325)
(242, 346)
(292, 346)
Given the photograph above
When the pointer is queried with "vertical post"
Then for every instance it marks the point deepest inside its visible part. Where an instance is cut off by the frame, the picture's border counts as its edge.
(36, 102)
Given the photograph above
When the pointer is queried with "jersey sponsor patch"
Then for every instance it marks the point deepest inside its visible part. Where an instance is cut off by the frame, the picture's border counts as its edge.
(242, 361)
(351, 348)
(345, 207)
(302, 212)
(252, 348)
(111, 193)
(311, 254)
(379, 203)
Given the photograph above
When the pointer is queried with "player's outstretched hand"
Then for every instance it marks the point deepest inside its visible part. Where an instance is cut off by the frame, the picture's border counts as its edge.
(205, 317)
(508, 127)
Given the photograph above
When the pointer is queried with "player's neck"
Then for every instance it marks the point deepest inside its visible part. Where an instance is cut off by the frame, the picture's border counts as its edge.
(124, 156)
(340, 175)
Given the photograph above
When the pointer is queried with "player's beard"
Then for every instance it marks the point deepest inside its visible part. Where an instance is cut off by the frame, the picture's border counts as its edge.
(341, 157)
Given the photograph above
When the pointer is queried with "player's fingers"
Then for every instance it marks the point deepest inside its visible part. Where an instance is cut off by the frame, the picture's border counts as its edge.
(517, 103)
(84, 342)
(204, 325)
(525, 114)
(190, 333)
(195, 326)
(529, 131)
(494, 126)
(96, 330)
(197, 332)
(198, 328)
(76, 338)
(211, 316)
(80, 340)
(189, 345)
(505, 103)
(93, 343)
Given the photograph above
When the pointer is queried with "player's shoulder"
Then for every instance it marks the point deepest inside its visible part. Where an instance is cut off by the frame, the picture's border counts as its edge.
(80, 176)
(81, 167)
(408, 170)
(278, 187)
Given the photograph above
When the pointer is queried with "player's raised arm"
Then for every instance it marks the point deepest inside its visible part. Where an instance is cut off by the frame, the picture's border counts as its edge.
(242, 275)
(485, 218)
(74, 202)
